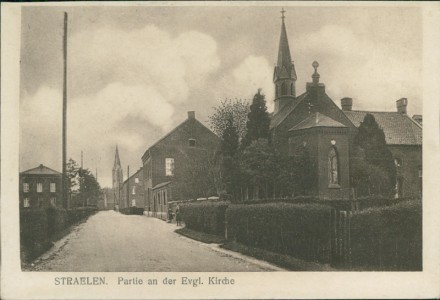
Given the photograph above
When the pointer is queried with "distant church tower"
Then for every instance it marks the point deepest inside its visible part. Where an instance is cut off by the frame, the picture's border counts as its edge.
(117, 176)
(284, 76)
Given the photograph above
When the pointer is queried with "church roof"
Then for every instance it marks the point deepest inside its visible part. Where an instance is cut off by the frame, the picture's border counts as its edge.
(279, 117)
(284, 67)
(117, 160)
(41, 170)
(399, 128)
(317, 120)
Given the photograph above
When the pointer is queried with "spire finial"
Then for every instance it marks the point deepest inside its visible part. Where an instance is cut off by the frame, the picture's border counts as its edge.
(315, 75)
(282, 13)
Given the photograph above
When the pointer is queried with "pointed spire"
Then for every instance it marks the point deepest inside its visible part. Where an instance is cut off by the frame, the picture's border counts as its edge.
(284, 59)
(117, 160)
(284, 63)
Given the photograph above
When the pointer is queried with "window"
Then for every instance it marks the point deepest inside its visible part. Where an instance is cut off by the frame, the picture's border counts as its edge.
(398, 162)
(133, 191)
(192, 142)
(26, 187)
(420, 172)
(136, 180)
(399, 187)
(39, 187)
(133, 202)
(52, 187)
(26, 202)
(53, 201)
(291, 88)
(169, 166)
(284, 89)
(333, 176)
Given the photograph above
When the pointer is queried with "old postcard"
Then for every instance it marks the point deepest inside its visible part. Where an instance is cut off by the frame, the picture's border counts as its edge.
(168, 150)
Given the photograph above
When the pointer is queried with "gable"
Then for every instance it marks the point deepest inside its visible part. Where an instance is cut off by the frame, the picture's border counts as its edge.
(189, 129)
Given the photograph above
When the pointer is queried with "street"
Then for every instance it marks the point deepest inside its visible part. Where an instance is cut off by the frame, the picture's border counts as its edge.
(112, 242)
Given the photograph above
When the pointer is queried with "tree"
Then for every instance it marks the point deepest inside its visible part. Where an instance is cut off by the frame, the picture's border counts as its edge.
(83, 187)
(259, 168)
(306, 173)
(258, 120)
(372, 165)
(228, 110)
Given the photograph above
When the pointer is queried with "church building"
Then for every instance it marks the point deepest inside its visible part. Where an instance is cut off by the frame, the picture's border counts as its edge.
(311, 120)
(117, 177)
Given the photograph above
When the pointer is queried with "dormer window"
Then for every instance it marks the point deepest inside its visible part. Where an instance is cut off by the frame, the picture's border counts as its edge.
(192, 142)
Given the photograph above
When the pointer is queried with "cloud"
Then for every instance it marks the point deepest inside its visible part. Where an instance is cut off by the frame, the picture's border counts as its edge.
(252, 73)
(352, 65)
(123, 88)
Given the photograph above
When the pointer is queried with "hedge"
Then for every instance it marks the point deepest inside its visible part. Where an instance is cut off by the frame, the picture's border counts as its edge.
(388, 238)
(339, 204)
(132, 210)
(299, 230)
(39, 226)
(207, 217)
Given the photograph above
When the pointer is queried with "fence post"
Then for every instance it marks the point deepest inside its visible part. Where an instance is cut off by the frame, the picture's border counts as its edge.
(226, 230)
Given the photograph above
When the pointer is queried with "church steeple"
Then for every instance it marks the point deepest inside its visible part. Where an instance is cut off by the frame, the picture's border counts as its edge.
(117, 176)
(284, 76)
(117, 160)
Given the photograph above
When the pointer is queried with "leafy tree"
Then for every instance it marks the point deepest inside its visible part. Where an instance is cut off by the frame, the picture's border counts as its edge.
(305, 175)
(82, 184)
(228, 110)
(259, 168)
(372, 160)
(258, 120)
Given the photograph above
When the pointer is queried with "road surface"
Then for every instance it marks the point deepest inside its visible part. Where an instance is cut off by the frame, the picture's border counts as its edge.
(113, 242)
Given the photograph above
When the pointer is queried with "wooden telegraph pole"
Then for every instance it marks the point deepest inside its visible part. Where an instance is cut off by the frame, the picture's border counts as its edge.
(128, 187)
(64, 177)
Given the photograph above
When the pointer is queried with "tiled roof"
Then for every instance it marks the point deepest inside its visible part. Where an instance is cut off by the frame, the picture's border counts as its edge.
(317, 120)
(285, 111)
(399, 128)
(41, 170)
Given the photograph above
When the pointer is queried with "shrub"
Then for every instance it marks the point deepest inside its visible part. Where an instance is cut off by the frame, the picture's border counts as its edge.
(33, 233)
(300, 230)
(207, 217)
(56, 220)
(388, 237)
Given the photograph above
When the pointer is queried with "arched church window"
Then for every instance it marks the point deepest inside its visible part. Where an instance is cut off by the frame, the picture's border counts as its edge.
(284, 89)
(277, 91)
(333, 175)
(291, 89)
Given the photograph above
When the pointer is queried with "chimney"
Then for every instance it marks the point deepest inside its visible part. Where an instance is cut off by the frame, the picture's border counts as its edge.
(401, 105)
(191, 115)
(346, 104)
(418, 119)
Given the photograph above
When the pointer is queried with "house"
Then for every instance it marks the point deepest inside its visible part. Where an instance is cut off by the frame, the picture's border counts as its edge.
(167, 163)
(133, 191)
(40, 187)
(312, 121)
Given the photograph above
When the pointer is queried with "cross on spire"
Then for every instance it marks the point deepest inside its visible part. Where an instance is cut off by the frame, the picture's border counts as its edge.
(282, 13)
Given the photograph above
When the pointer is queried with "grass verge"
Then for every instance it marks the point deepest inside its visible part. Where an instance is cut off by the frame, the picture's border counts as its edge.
(200, 236)
(284, 261)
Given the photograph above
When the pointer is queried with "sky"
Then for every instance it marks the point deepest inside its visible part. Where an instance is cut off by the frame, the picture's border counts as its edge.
(134, 72)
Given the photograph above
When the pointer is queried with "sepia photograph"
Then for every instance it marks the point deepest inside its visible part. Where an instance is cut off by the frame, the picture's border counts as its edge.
(240, 137)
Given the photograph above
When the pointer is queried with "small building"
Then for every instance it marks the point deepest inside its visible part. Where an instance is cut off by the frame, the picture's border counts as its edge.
(107, 201)
(132, 191)
(40, 187)
(167, 163)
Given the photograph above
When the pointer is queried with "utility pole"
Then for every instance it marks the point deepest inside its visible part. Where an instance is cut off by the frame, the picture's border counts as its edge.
(128, 186)
(81, 159)
(64, 187)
